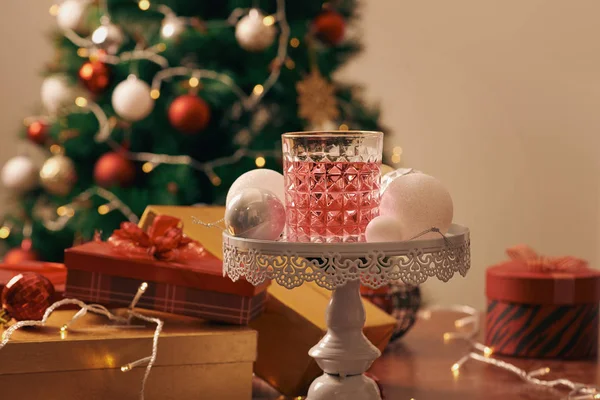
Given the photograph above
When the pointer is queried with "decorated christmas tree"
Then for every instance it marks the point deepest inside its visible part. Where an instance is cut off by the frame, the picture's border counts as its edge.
(168, 102)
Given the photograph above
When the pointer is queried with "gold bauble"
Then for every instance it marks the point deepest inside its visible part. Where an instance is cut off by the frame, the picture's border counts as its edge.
(386, 169)
(58, 175)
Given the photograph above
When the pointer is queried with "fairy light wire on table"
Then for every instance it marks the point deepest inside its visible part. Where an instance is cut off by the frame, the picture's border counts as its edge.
(345, 353)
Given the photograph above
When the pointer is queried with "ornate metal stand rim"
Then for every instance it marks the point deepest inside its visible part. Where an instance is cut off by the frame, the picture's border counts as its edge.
(331, 265)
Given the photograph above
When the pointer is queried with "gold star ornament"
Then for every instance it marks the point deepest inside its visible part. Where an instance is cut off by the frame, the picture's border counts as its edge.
(316, 99)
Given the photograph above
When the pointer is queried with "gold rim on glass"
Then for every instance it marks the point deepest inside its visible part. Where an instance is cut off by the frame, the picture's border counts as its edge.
(322, 134)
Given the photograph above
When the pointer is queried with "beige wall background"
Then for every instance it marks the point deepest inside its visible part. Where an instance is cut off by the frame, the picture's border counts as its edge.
(499, 99)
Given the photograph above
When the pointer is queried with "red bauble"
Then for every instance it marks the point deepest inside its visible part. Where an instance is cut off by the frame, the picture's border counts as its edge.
(113, 169)
(19, 255)
(27, 296)
(95, 76)
(38, 131)
(330, 27)
(189, 114)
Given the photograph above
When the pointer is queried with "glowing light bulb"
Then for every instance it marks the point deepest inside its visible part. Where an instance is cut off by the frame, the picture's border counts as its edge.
(343, 127)
(455, 367)
(194, 82)
(396, 158)
(258, 90)
(269, 20)
(54, 10)
(126, 368)
(81, 101)
(294, 42)
(447, 337)
(155, 93)
(215, 180)
(144, 5)
(61, 211)
(103, 209)
(144, 286)
(397, 150)
(4, 232)
(83, 52)
(147, 167)
(260, 161)
(100, 35)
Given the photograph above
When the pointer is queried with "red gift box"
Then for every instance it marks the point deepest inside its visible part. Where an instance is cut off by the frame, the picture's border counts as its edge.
(183, 277)
(542, 307)
(56, 273)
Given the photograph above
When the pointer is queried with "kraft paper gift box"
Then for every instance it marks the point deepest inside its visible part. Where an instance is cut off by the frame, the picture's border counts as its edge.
(292, 323)
(197, 360)
(192, 286)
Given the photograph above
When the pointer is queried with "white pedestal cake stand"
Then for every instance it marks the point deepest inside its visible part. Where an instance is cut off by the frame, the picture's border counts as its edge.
(344, 353)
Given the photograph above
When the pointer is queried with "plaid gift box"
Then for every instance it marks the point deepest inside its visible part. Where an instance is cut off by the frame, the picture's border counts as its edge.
(191, 285)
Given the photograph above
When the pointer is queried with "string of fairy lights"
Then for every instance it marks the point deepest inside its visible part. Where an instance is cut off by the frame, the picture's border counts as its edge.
(118, 322)
(468, 328)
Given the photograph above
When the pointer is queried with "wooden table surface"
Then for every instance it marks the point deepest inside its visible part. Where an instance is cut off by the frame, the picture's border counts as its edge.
(418, 367)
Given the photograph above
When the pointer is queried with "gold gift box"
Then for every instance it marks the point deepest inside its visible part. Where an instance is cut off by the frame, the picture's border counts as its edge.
(293, 321)
(196, 359)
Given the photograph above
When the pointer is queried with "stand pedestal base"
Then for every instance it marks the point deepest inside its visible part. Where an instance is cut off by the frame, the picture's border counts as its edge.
(328, 387)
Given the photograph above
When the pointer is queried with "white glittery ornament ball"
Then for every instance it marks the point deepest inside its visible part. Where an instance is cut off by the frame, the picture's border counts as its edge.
(20, 174)
(131, 99)
(253, 34)
(56, 92)
(258, 178)
(384, 229)
(255, 214)
(420, 202)
(70, 14)
(109, 37)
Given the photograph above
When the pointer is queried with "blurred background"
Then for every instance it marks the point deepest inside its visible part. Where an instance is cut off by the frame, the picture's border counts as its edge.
(498, 99)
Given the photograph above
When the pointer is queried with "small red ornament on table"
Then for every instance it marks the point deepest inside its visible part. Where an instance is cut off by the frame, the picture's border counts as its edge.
(38, 131)
(113, 169)
(21, 254)
(95, 76)
(330, 27)
(189, 114)
(26, 297)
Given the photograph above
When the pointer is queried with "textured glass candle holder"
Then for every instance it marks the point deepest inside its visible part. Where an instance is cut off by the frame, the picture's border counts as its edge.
(332, 184)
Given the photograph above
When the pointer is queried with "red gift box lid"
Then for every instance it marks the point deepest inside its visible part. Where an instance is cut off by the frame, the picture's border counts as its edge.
(516, 281)
(205, 273)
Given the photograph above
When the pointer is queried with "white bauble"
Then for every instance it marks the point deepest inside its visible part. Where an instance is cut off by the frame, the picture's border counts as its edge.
(109, 37)
(258, 178)
(420, 202)
(384, 229)
(255, 213)
(172, 26)
(131, 99)
(71, 14)
(20, 174)
(252, 34)
(389, 176)
(56, 92)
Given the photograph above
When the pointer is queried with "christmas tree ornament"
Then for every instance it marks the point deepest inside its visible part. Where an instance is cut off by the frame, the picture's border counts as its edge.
(131, 99)
(316, 99)
(189, 114)
(95, 76)
(26, 297)
(38, 132)
(109, 37)
(253, 33)
(56, 92)
(388, 177)
(172, 26)
(258, 178)
(255, 213)
(420, 202)
(58, 175)
(113, 169)
(20, 255)
(71, 14)
(20, 174)
(384, 229)
(329, 27)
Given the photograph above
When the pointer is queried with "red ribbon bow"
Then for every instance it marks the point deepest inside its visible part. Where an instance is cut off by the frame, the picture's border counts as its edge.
(538, 263)
(164, 240)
